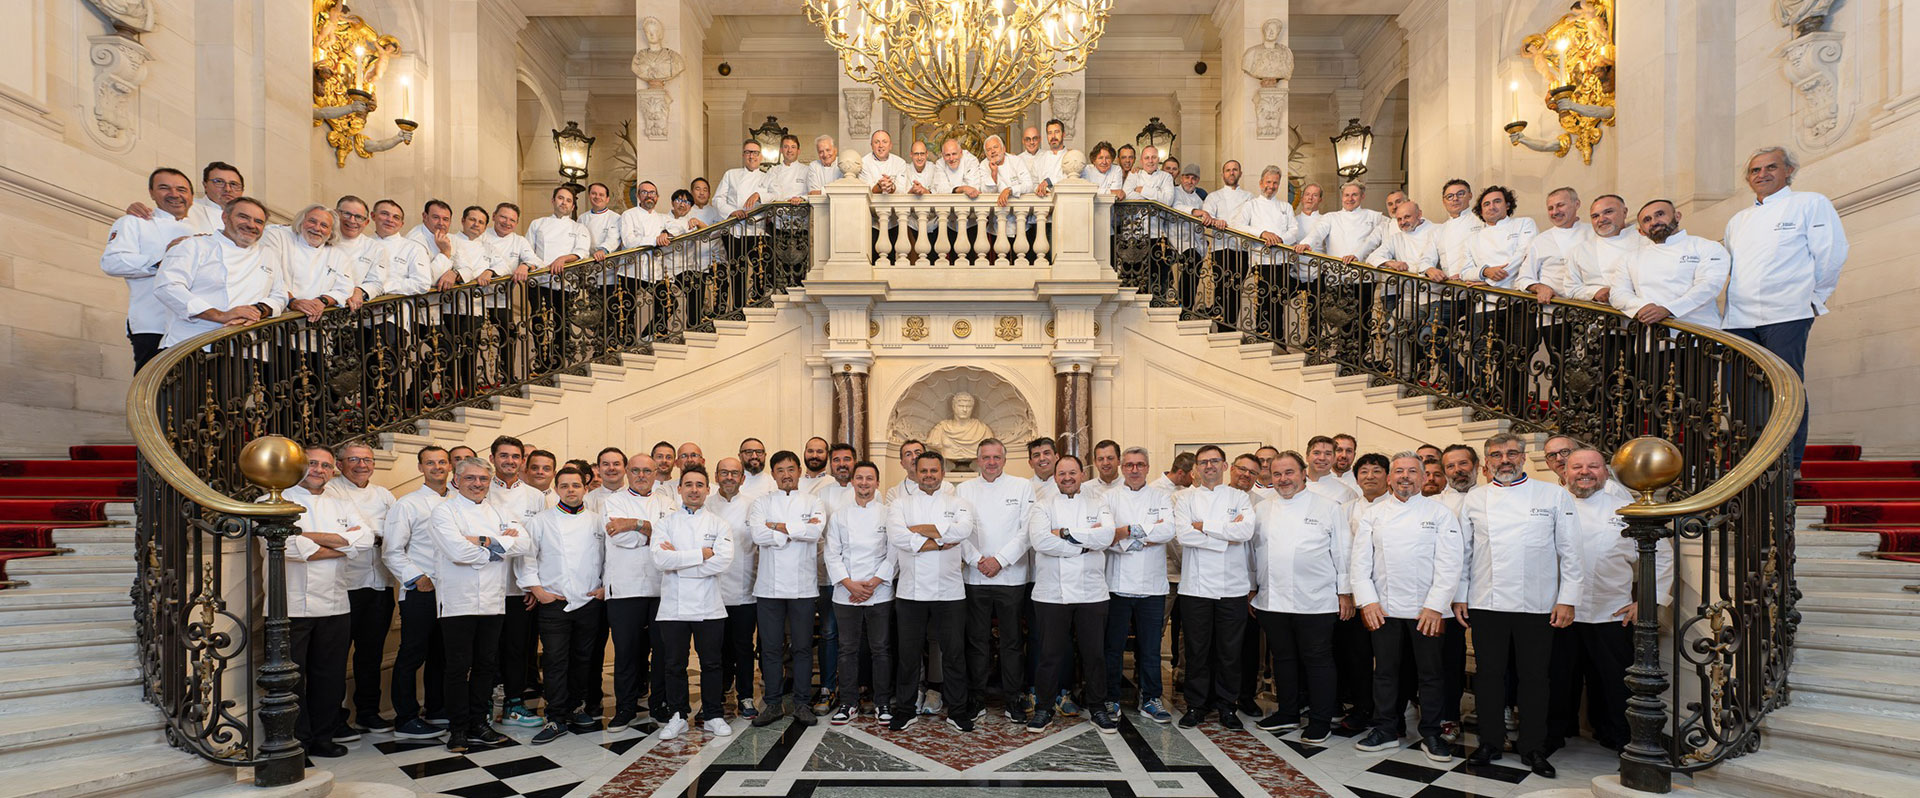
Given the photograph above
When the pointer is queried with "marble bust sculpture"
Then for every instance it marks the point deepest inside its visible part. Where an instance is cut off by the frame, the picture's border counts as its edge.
(958, 438)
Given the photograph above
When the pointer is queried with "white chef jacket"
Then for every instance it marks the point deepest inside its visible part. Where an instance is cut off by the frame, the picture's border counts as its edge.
(1345, 233)
(1155, 185)
(1787, 252)
(310, 272)
(819, 175)
(788, 560)
(1070, 571)
(599, 494)
(1521, 553)
(1114, 179)
(1608, 559)
(1501, 244)
(946, 179)
(896, 167)
(1683, 275)
(1455, 234)
(1259, 493)
(366, 261)
(1594, 262)
(1000, 512)
(409, 551)
(738, 184)
(857, 548)
(1137, 566)
(630, 571)
(471, 257)
(784, 182)
(924, 175)
(1331, 487)
(1213, 559)
(810, 483)
(689, 584)
(135, 247)
(1042, 487)
(1225, 202)
(554, 236)
(469, 579)
(1348, 479)
(640, 227)
(1453, 499)
(1187, 201)
(756, 484)
(1045, 166)
(932, 575)
(1300, 554)
(1549, 259)
(318, 588)
(430, 266)
(567, 555)
(204, 216)
(603, 229)
(365, 570)
(212, 273)
(1419, 249)
(736, 584)
(521, 502)
(1267, 215)
(1406, 557)
(1010, 173)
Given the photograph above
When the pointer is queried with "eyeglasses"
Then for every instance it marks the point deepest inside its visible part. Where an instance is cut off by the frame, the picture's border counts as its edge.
(1210, 461)
(222, 182)
(356, 460)
(1559, 454)
(753, 451)
(351, 216)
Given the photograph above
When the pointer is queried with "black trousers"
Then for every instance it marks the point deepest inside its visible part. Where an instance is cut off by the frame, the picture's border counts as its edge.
(986, 605)
(1453, 670)
(1081, 628)
(473, 651)
(319, 650)
(420, 644)
(1528, 638)
(1353, 672)
(944, 623)
(631, 623)
(1252, 658)
(1302, 642)
(372, 612)
(736, 653)
(866, 629)
(1213, 628)
(1396, 639)
(706, 638)
(567, 638)
(516, 647)
(786, 645)
(145, 346)
(1590, 658)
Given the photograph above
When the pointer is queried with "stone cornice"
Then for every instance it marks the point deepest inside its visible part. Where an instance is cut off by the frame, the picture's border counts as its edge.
(66, 199)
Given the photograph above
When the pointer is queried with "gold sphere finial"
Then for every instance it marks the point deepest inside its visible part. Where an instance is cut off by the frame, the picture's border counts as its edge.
(1647, 464)
(273, 462)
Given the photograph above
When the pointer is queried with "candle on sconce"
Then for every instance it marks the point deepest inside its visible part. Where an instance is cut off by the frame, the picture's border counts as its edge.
(1514, 88)
(406, 96)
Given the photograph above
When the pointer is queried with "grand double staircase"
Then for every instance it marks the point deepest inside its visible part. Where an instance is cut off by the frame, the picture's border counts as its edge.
(1796, 656)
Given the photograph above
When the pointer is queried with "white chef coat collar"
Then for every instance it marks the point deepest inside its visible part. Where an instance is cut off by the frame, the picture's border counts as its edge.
(1517, 482)
(648, 494)
(1780, 195)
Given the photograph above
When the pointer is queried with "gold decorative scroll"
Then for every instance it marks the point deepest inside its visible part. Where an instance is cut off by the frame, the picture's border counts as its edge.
(348, 58)
(1575, 54)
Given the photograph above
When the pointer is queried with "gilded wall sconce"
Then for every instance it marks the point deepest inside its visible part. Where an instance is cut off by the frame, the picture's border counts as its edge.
(349, 57)
(1575, 55)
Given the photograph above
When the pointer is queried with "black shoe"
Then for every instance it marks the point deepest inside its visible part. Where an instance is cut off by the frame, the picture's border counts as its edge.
(1436, 748)
(621, 720)
(375, 723)
(418, 729)
(486, 734)
(1485, 754)
(457, 743)
(1279, 723)
(1014, 712)
(326, 748)
(347, 733)
(773, 711)
(802, 713)
(962, 721)
(548, 733)
(1192, 718)
(1541, 767)
(1231, 721)
(1379, 739)
(902, 718)
(1316, 734)
(1250, 708)
(1040, 720)
(583, 723)
(1105, 722)
(1352, 723)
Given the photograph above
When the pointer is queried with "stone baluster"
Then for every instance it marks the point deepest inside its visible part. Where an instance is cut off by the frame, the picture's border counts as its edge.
(902, 247)
(1041, 245)
(982, 251)
(928, 217)
(1018, 229)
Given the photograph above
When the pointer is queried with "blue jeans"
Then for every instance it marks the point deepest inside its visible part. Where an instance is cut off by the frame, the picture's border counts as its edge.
(1787, 339)
(1143, 617)
(829, 648)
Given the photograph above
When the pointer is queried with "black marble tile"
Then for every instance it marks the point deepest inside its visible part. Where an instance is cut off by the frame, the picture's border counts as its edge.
(485, 789)
(397, 746)
(623, 746)
(521, 767)
(1437, 791)
(1304, 749)
(1494, 771)
(552, 792)
(1406, 770)
(435, 767)
(1363, 792)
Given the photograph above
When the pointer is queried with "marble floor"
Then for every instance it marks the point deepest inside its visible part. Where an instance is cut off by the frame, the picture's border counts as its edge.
(931, 760)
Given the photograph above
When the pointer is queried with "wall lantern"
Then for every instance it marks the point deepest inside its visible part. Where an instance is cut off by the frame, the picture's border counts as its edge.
(1350, 149)
(574, 146)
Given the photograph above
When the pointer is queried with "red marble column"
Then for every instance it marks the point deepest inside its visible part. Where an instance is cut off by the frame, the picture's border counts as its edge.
(1073, 410)
(850, 409)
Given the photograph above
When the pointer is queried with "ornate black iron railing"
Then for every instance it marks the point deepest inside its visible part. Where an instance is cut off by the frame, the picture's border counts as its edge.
(1564, 366)
(351, 375)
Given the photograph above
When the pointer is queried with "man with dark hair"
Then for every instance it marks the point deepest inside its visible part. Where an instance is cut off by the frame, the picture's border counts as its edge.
(1320, 459)
(1301, 591)
(540, 469)
(610, 465)
(833, 492)
(665, 457)
(410, 556)
(1105, 473)
(331, 530)
(1214, 521)
(1070, 532)
(692, 548)
(223, 279)
(601, 220)
(928, 525)
(562, 574)
(1041, 454)
(814, 458)
(521, 502)
(221, 184)
(1345, 449)
(863, 564)
(753, 459)
(1179, 477)
(787, 524)
(997, 576)
(135, 247)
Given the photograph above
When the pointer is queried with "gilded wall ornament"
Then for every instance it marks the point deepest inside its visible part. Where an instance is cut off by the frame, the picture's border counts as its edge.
(349, 57)
(914, 328)
(1049, 328)
(1575, 55)
(873, 328)
(1007, 328)
(962, 328)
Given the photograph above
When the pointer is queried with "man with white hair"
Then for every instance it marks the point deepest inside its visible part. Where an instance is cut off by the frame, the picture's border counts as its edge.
(1267, 216)
(825, 167)
(1787, 252)
(475, 544)
(331, 531)
(316, 273)
(1149, 183)
(743, 187)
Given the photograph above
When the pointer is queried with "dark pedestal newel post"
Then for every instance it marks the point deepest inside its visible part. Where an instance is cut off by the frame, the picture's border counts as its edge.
(282, 761)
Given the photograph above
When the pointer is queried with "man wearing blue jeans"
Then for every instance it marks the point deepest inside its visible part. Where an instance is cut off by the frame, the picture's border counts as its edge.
(1137, 581)
(1787, 252)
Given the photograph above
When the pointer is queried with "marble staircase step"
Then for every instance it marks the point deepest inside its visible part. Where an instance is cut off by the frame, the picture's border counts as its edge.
(1820, 544)
(143, 770)
(1889, 692)
(1194, 327)
(103, 534)
(73, 564)
(666, 351)
(702, 340)
(1351, 382)
(606, 371)
(1413, 404)
(541, 393)
(1382, 393)
(1319, 373)
(1881, 743)
(34, 605)
(514, 405)
(66, 642)
(637, 361)
(120, 511)
(47, 734)
(1858, 646)
(1771, 774)
(1448, 416)
(1886, 610)
(573, 382)
(479, 417)
(1855, 573)
(56, 685)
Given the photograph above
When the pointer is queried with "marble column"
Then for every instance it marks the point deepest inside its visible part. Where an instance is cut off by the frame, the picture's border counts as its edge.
(1073, 410)
(1243, 136)
(849, 358)
(671, 118)
(850, 407)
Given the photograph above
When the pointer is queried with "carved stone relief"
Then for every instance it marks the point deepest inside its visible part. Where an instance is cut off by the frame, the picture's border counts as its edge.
(859, 105)
(127, 16)
(654, 104)
(654, 62)
(1066, 107)
(1269, 112)
(119, 68)
(1270, 61)
(928, 403)
(1812, 65)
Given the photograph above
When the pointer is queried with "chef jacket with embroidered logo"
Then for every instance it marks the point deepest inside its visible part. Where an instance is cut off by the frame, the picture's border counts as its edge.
(1070, 568)
(1608, 559)
(135, 247)
(930, 575)
(408, 551)
(1137, 565)
(1214, 561)
(630, 572)
(689, 581)
(554, 236)
(1000, 511)
(310, 272)
(736, 584)
(318, 588)
(470, 579)
(567, 555)
(211, 272)
(1787, 252)
(603, 229)
(1684, 274)
(1521, 555)
(787, 559)
(857, 548)
(521, 503)
(366, 570)
(1406, 557)
(1300, 554)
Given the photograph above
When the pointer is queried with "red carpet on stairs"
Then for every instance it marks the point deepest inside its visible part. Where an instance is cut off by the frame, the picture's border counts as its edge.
(40, 496)
(1878, 496)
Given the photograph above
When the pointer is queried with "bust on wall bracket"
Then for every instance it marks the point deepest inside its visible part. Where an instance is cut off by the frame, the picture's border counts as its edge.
(955, 408)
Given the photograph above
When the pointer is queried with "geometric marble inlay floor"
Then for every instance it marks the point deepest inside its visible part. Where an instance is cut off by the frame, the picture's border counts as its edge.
(931, 760)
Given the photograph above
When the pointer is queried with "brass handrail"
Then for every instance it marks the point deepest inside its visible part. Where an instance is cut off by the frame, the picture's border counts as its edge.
(143, 394)
(1783, 420)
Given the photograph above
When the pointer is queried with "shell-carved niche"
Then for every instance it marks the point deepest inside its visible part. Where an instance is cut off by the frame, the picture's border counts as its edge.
(930, 401)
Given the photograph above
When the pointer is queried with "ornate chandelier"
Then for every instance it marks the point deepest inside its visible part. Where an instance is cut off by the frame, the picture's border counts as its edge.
(961, 68)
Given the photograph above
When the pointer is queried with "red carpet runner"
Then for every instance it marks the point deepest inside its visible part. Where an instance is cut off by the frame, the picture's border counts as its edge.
(39, 496)
(1878, 496)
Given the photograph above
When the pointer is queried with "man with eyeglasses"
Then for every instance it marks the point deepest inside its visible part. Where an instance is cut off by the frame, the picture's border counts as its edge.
(1559, 447)
(1214, 522)
(319, 617)
(753, 458)
(369, 594)
(477, 544)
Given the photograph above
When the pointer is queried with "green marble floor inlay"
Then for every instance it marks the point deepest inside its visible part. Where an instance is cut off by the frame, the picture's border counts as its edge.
(1083, 753)
(1167, 742)
(839, 753)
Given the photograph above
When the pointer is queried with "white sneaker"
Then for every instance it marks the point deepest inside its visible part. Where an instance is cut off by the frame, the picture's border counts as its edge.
(674, 728)
(717, 726)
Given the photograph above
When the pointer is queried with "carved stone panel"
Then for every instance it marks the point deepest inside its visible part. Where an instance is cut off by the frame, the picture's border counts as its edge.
(929, 402)
(1821, 110)
(119, 68)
